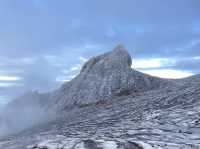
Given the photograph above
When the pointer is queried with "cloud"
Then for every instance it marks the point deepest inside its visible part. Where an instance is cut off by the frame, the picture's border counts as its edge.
(164, 67)
(152, 63)
(189, 63)
(4, 100)
(75, 68)
(9, 78)
(71, 73)
(168, 73)
(83, 59)
(65, 78)
(138, 24)
(8, 84)
(9, 81)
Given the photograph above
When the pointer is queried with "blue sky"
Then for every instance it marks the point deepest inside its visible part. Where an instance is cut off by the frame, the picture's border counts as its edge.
(45, 42)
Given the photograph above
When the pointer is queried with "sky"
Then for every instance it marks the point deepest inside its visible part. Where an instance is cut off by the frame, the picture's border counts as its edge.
(45, 42)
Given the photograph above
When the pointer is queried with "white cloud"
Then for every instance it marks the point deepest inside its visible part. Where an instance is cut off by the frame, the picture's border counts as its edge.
(168, 73)
(153, 67)
(9, 81)
(62, 79)
(65, 78)
(151, 63)
(76, 67)
(69, 74)
(9, 78)
(83, 59)
(196, 58)
(5, 84)
(4, 100)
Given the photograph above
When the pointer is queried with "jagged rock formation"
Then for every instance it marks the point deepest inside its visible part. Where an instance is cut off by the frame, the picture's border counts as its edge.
(104, 77)
(101, 78)
(139, 112)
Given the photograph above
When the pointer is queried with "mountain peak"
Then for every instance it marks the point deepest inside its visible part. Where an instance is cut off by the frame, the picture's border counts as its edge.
(118, 58)
(122, 54)
(103, 77)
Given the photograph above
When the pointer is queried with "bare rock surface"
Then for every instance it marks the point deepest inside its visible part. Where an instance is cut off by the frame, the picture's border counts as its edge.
(129, 110)
(104, 77)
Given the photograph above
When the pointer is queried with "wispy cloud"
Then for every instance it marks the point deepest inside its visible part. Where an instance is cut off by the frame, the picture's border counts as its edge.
(69, 74)
(9, 78)
(65, 78)
(8, 84)
(162, 67)
(152, 63)
(9, 81)
(169, 73)
(3, 100)
(83, 59)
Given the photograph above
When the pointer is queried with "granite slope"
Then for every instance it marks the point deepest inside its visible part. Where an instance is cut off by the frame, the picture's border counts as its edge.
(124, 109)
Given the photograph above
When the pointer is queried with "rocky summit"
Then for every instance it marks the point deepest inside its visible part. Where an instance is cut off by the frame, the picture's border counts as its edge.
(109, 105)
(104, 77)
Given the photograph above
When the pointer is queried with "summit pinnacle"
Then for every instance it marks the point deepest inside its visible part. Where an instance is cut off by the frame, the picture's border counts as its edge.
(103, 77)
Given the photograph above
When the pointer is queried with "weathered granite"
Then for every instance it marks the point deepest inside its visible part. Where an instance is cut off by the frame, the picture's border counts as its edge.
(104, 77)
(142, 112)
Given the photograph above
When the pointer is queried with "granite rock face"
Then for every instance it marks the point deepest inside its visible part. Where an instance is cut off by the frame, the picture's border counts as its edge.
(115, 107)
(100, 79)
(104, 77)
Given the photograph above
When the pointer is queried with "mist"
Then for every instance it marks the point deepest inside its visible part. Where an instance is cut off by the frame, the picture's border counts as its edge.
(22, 113)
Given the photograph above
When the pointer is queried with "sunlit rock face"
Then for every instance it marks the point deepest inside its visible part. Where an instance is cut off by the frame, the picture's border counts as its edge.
(104, 77)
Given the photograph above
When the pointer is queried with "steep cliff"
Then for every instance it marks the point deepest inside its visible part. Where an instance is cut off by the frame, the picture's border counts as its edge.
(104, 77)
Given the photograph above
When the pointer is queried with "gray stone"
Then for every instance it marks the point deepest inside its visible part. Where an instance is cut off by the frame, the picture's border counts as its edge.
(110, 105)
(104, 77)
